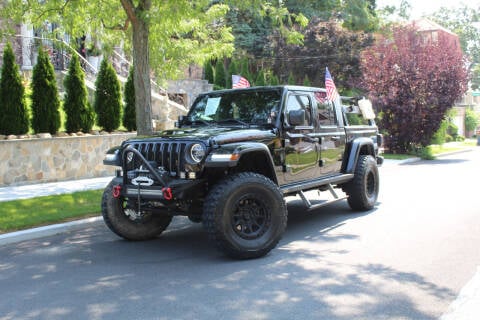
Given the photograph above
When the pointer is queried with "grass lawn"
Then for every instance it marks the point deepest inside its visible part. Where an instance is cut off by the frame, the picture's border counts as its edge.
(436, 149)
(22, 214)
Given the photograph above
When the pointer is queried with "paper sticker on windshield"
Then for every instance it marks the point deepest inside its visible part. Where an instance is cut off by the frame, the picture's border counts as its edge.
(212, 106)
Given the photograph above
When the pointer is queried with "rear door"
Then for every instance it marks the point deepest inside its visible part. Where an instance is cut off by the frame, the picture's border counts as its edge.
(330, 133)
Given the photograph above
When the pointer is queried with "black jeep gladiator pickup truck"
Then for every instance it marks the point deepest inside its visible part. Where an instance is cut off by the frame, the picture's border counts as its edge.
(233, 159)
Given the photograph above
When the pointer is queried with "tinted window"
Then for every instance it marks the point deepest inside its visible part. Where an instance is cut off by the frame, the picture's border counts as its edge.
(325, 110)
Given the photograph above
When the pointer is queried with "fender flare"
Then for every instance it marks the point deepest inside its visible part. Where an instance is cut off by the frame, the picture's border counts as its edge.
(229, 155)
(354, 152)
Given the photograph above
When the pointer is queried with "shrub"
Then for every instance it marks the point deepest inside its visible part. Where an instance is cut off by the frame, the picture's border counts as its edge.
(471, 120)
(108, 105)
(129, 114)
(79, 113)
(45, 100)
(440, 135)
(13, 108)
(426, 153)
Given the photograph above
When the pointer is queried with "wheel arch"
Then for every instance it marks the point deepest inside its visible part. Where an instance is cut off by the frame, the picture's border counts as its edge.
(244, 157)
(359, 146)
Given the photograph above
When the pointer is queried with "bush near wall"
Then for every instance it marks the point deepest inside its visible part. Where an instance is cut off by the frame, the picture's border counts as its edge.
(108, 105)
(45, 99)
(13, 108)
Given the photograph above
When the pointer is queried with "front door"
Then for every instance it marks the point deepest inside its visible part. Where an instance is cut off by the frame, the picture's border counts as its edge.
(301, 148)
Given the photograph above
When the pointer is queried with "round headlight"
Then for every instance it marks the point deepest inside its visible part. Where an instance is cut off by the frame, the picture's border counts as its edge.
(197, 152)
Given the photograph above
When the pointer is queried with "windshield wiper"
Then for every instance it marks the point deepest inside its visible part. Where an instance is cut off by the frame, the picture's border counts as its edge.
(230, 120)
(199, 121)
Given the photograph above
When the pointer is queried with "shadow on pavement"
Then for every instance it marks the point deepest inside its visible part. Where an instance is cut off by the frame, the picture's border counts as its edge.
(91, 273)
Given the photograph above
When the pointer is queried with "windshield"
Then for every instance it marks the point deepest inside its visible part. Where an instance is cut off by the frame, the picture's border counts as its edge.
(236, 107)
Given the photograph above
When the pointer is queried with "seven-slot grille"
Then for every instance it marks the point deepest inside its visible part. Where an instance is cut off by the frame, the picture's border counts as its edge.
(168, 155)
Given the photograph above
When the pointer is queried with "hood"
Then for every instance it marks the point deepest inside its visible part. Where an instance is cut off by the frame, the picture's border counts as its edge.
(219, 135)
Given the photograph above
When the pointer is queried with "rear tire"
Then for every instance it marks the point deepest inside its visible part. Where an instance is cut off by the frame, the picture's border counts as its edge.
(363, 189)
(245, 215)
(126, 222)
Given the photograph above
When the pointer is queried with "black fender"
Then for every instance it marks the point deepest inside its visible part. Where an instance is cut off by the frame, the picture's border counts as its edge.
(230, 155)
(356, 146)
(113, 157)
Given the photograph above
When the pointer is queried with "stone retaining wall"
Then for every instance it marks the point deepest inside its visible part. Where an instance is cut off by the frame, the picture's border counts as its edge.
(28, 161)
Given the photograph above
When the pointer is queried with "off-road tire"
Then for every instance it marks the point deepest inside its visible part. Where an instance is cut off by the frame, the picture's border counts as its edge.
(363, 189)
(136, 230)
(245, 215)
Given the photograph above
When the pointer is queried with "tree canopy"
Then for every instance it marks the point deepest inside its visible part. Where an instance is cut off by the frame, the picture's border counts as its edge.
(413, 80)
(463, 21)
(164, 36)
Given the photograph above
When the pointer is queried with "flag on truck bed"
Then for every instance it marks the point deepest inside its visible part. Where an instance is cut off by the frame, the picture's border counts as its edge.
(239, 82)
(332, 93)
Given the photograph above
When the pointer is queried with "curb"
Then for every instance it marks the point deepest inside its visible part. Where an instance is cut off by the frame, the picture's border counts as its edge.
(50, 230)
(467, 304)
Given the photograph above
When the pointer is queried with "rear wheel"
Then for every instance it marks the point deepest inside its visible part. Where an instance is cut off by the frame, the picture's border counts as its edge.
(363, 189)
(128, 222)
(245, 215)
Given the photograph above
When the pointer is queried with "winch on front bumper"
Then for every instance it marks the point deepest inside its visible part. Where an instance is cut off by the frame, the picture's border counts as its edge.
(142, 179)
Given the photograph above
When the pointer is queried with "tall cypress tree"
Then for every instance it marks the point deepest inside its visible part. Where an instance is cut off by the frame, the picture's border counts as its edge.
(260, 80)
(108, 103)
(129, 114)
(291, 79)
(220, 78)
(79, 113)
(274, 81)
(45, 100)
(209, 76)
(232, 69)
(13, 109)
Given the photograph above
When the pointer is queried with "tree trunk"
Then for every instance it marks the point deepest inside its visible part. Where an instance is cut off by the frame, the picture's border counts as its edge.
(141, 77)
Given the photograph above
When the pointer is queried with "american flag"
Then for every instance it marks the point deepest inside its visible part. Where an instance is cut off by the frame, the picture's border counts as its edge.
(239, 82)
(332, 93)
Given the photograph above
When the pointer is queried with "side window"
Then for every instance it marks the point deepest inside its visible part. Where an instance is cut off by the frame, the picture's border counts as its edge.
(326, 113)
(300, 101)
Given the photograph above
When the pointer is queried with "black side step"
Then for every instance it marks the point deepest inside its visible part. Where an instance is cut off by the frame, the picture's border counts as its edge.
(311, 206)
(312, 184)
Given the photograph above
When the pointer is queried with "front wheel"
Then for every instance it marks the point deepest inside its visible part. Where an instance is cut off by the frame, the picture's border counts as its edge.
(363, 189)
(128, 222)
(245, 215)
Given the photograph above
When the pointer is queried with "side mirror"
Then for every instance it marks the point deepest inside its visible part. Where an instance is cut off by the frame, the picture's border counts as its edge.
(296, 117)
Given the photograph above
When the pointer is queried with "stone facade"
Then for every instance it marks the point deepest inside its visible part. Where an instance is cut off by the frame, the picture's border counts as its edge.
(27, 161)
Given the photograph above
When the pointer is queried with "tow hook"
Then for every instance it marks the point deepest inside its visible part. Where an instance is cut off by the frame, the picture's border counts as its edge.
(117, 191)
(167, 193)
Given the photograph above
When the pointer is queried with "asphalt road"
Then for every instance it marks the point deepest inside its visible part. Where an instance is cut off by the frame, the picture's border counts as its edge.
(407, 259)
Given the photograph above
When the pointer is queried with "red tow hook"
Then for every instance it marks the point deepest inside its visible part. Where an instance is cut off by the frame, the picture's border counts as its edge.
(167, 193)
(117, 191)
